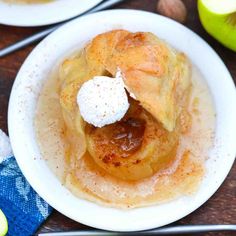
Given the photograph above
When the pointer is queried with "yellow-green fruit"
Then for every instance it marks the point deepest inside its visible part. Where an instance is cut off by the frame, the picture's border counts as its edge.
(3, 224)
(219, 19)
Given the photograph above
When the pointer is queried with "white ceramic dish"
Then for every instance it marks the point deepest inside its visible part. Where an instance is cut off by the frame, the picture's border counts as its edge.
(73, 36)
(44, 13)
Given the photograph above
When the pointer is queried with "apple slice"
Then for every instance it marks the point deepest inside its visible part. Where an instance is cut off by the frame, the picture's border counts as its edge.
(3, 224)
(218, 17)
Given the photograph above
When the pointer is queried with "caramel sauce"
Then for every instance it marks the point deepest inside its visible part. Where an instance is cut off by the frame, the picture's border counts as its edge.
(127, 135)
(121, 139)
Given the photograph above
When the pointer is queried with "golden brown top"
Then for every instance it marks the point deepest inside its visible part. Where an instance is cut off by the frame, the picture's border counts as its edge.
(156, 74)
(146, 139)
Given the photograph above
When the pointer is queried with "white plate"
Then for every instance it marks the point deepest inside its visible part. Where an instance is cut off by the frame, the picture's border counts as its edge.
(44, 13)
(73, 36)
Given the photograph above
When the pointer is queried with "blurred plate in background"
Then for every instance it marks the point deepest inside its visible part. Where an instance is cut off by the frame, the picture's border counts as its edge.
(42, 13)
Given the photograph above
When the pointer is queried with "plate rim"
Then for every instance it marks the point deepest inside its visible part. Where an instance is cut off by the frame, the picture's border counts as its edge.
(61, 209)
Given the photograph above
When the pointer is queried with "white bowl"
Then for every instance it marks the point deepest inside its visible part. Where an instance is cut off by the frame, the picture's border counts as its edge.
(75, 35)
(44, 13)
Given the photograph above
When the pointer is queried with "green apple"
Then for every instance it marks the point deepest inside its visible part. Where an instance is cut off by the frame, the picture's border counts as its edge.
(219, 19)
(3, 224)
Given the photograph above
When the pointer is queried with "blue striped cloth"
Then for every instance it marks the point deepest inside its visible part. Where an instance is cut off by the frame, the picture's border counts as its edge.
(24, 209)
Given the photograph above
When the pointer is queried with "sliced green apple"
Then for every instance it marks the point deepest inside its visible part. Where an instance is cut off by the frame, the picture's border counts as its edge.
(219, 19)
(3, 224)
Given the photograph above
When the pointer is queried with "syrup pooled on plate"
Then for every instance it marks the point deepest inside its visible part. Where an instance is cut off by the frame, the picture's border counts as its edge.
(156, 152)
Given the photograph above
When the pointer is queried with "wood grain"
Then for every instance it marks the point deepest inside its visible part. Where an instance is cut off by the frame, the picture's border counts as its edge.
(220, 209)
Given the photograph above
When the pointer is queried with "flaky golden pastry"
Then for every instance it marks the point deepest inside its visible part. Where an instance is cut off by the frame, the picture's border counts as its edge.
(145, 141)
(156, 74)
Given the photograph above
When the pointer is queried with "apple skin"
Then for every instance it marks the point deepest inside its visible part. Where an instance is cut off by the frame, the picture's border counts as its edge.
(221, 27)
(3, 220)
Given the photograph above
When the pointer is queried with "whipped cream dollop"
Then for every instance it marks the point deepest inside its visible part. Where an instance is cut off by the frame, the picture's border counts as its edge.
(103, 100)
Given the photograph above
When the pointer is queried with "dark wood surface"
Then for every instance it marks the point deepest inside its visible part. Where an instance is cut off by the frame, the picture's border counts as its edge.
(220, 209)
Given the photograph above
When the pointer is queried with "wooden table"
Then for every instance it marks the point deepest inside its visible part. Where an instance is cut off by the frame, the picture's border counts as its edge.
(220, 209)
